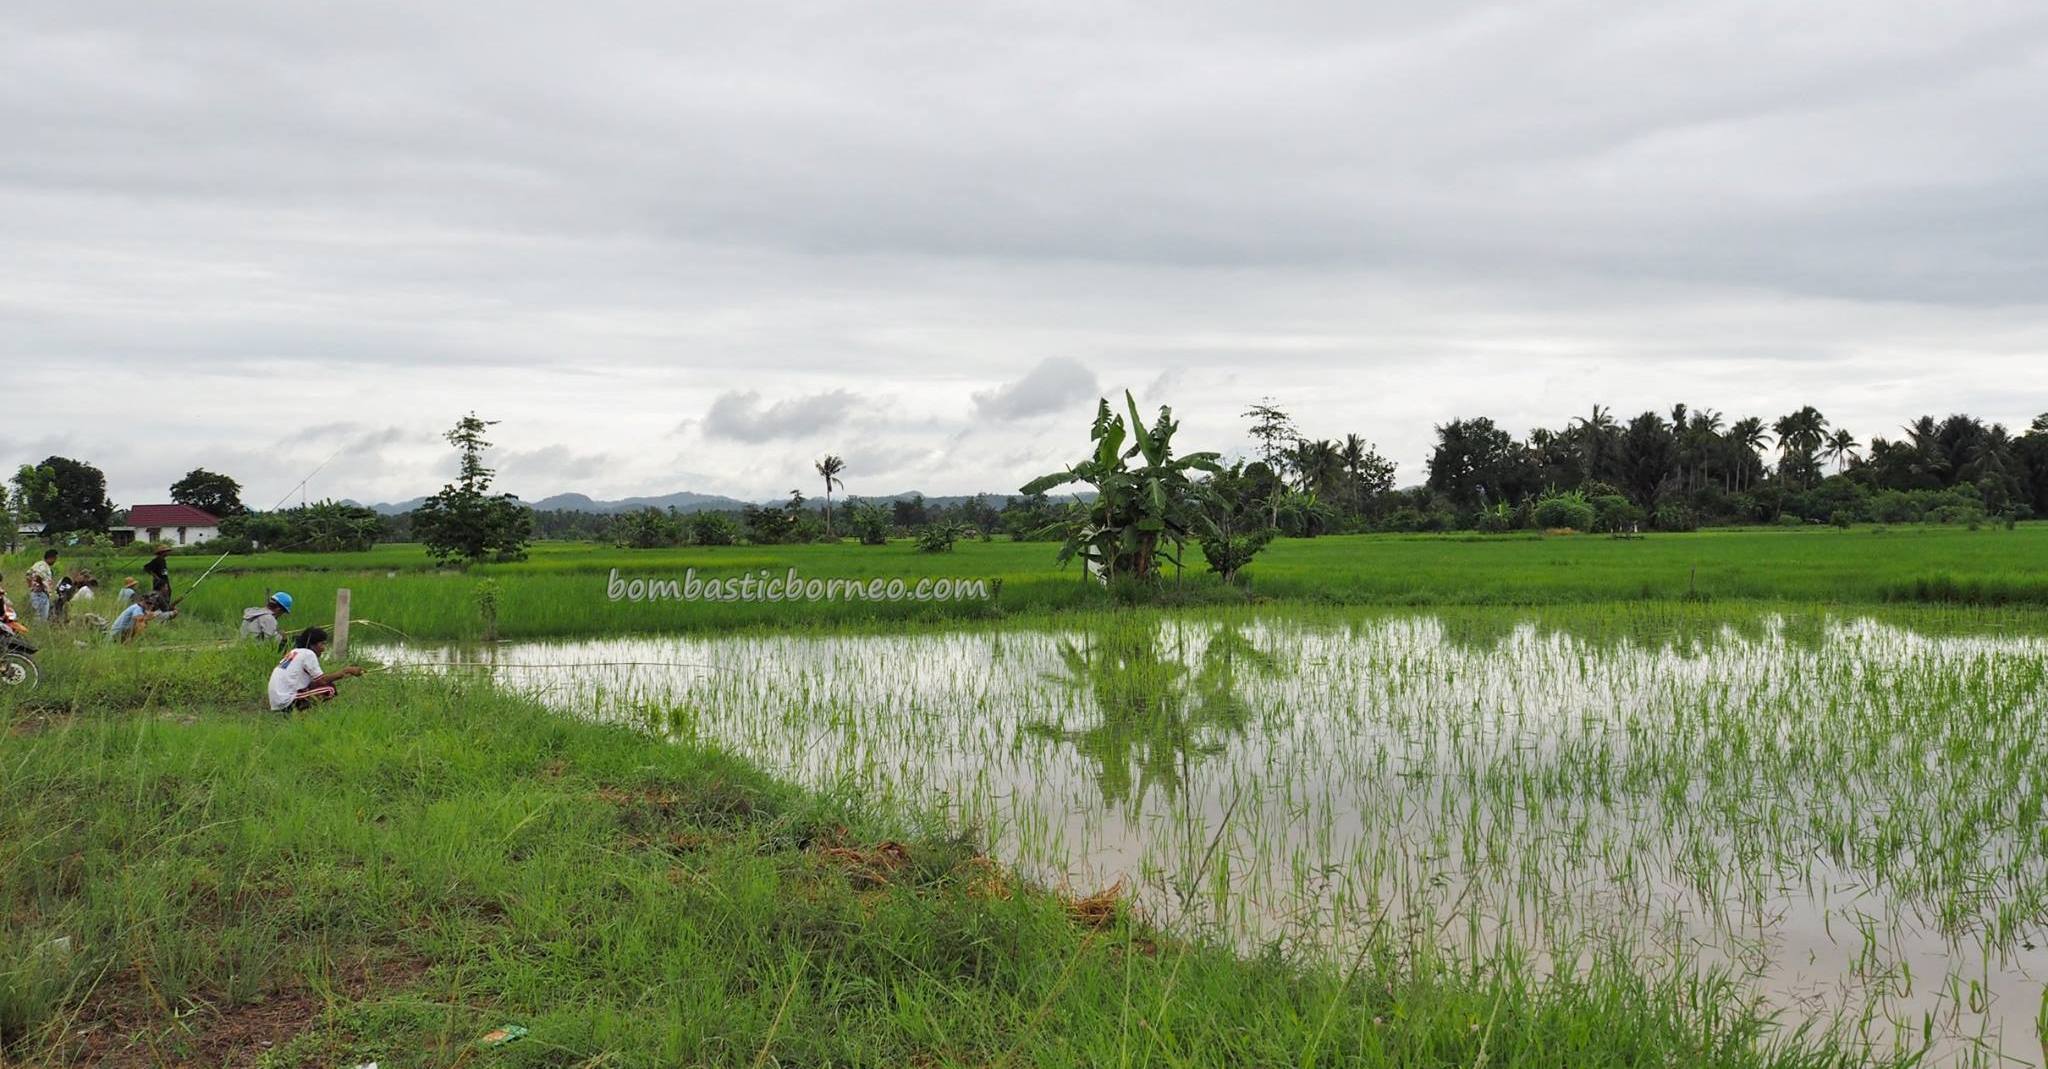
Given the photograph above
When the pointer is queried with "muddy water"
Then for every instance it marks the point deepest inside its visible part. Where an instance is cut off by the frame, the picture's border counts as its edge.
(1844, 816)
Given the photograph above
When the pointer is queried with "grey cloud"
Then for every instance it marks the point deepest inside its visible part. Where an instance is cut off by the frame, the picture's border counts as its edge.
(1385, 214)
(742, 417)
(1054, 384)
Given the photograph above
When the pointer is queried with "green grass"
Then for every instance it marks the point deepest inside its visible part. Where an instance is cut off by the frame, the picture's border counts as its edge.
(389, 877)
(560, 590)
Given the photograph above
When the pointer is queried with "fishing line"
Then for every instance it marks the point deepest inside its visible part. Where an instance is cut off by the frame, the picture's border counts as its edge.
(398, 665)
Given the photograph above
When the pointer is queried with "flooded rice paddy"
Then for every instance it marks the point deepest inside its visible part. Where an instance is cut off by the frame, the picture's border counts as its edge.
(1840, 816)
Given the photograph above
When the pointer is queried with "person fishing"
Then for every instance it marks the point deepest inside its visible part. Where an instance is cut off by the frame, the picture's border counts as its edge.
(261, 622)
(159, 572)
(42, 585)
(132, 622)
(298, 683)
(127, 595)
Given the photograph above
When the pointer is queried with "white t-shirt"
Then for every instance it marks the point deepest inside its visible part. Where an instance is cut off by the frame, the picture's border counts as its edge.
(295, 673)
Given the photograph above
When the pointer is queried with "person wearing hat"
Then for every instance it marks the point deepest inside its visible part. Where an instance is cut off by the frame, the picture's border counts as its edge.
(159, 572)
(261, 622)
(127, 593)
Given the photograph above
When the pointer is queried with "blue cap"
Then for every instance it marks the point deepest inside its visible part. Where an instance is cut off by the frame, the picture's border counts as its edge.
(282, 600)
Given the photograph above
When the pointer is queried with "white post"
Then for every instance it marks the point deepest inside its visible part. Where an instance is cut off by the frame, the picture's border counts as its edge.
(341, 598)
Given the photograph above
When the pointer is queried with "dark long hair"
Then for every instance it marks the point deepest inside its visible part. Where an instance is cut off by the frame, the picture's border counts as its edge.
(311, 637)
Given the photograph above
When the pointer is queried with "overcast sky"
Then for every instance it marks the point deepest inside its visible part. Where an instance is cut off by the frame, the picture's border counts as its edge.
(694, 246)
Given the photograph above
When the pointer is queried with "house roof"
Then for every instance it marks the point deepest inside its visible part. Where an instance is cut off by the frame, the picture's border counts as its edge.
(170, 516)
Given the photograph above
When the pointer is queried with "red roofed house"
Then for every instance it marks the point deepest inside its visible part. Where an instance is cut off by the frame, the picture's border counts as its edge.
(179, 525)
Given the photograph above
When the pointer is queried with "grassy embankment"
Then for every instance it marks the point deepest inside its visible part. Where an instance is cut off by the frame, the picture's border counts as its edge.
(560, 591)
(189, 881)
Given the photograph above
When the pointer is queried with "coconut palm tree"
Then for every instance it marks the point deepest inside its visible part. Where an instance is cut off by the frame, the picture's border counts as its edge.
(1842, 448)
(1749, 441)
(1596, 435)
(1800, 435)
(830, 466)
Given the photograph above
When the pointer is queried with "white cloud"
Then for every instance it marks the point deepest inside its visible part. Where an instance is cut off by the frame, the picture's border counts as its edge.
(1052, 385)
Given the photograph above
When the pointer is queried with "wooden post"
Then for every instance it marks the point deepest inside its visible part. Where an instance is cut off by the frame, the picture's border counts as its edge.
(340, 652)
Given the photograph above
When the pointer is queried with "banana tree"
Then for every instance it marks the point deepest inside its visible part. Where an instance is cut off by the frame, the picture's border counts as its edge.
(1141, 515)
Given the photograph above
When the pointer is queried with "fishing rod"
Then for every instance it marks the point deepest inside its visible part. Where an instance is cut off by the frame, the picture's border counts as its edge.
(126, 565)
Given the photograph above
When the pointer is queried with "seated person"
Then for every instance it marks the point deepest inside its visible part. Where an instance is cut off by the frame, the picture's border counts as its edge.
(262, 622)
(130, 625)
(297, 682)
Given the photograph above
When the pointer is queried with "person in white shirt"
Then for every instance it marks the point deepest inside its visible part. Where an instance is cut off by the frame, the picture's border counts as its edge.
(298, 682)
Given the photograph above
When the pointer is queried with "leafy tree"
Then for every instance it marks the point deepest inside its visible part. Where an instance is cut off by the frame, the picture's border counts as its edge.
(648, 528)
(910, 512)
(465, 519)
(1367, 474)
(829, 466)
(1138, 513)
(1476, 463)
(1273, 430)
(713, 529)
(322, 527)
(870, 523)
(210, 492)
(66, 495)
(1646, 460)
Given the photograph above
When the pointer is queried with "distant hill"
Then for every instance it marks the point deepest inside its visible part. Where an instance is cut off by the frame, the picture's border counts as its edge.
(684, 501)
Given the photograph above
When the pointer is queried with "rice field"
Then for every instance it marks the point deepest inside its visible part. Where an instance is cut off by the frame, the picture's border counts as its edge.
(1837, 814)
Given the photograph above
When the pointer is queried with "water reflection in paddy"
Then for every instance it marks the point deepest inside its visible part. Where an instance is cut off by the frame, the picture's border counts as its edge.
(1845, 814)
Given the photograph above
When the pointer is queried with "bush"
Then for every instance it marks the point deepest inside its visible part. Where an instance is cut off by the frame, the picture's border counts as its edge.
(1228, 556)
(938, 537)
(1676, 517)
(1614, 514)
(1565, 511)
(1498, 519)
(1842, 519)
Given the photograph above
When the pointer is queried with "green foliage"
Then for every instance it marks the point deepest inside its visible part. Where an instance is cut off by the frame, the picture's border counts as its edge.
(464, 520)
(209, 492)
(870, 523)
(1615, 514)
(66, 495)
(713, 529)
(1565, 511)
(322, 527)
(769, 525)
(1227, 555)
(431, 857)
(648, 528)
(1496, 520)
(939, 537)
(1140, 516)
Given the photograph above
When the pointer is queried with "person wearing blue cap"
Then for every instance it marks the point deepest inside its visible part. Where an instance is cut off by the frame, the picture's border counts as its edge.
(262, 622)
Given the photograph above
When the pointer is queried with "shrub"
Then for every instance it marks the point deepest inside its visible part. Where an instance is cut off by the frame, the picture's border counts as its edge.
(1842, 519)
(938, 537)
(1676, 517)
(1566, 510)
(1614, 514)
(1228, 556)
